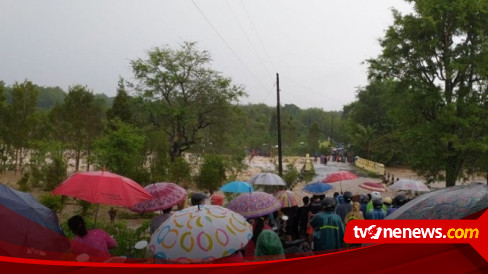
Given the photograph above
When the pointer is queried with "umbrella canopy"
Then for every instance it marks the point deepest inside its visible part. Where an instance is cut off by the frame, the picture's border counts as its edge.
(451, 203)
(165, 195)
(237, 187)
(317, 188)
(103, 187)
(26, 223)
(287, 198)
(200, 234)
(339, 176)
(254, 204)
(373, 186)
(269, 179)
(413, 185)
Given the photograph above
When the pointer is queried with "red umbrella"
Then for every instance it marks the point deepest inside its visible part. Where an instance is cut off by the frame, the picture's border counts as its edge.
(165, 195)
(373, 186)
(103, 187)
(339, 177)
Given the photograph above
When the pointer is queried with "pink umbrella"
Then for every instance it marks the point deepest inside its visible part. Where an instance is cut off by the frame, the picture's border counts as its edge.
(373, 186)
(254, 204)
(339, 177)
(103, 187)
(287, 198)
(165, 195)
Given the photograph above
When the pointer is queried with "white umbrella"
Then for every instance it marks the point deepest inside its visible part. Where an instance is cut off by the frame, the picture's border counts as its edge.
(200, 234)
(413, 185)
(269, 179)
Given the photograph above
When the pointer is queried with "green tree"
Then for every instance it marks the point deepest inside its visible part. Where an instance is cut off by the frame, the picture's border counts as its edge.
(439, 57)
(189, 94)
(313, 138)
(120, 150)
(121, 107)
(77, 122)
(212, 172)
(20, 120)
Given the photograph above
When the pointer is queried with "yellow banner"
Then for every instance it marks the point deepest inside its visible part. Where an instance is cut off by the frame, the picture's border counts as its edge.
(370, 166)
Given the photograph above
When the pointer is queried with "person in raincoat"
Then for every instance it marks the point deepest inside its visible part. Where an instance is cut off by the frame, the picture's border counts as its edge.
(328, 227)
(268, 246)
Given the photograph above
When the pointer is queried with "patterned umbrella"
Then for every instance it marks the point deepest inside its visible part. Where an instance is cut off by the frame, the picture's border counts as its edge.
(287, 198)
(413, 185)
(237, 187)
(165, 195)
(317, 188)
(254, 204)
(200, 234)
(269, 179)
(450, 203)
(373, 186)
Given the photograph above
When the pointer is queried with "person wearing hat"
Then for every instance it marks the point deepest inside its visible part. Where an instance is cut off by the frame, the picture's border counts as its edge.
(198, 199)
(375, 195)
(217, 199)
(387, 202)
(328, 227)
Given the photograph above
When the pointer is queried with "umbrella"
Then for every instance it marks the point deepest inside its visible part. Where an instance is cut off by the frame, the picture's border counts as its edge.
(450, 203)
(339, 177)
(413, 185)
(237, 187)
(200, 234)
(269, 179)
(165, 195)
(287, 198)
(103, 187)
(254, 204)
(317, 188)
(373, 186)
(25, 223)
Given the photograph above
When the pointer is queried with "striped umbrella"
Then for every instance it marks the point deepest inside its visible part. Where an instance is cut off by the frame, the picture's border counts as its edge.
(287, 198)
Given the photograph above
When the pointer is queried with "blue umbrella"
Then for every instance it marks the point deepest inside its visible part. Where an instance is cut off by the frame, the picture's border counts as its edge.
(24, 222)
(237, 187)
(317, 188)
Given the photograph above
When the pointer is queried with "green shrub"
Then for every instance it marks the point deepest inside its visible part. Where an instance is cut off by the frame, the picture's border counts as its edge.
(53, 202)
(291, 175)
(24, 182)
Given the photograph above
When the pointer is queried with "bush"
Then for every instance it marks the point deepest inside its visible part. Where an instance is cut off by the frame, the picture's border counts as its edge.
(53, 202)
(291, 175)
(24, 182)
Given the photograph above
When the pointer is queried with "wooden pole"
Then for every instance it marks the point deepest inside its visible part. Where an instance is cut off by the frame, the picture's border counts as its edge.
(278, 118)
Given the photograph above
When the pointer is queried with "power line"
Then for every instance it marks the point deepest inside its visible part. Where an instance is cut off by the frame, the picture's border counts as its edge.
(259, 37)
(228, 46)
(248, 39)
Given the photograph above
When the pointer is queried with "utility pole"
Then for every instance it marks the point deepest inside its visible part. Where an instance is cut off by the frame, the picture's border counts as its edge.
(278, 116)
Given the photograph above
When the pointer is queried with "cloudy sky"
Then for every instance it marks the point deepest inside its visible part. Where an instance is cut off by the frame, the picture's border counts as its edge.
(317, 46)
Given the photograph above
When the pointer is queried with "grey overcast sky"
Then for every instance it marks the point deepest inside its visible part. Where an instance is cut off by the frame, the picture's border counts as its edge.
(316, 46)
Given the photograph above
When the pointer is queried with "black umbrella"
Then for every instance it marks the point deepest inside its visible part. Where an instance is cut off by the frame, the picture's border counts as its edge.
(451, 203)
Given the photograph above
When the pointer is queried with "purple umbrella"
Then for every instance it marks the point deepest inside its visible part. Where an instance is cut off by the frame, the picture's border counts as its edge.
(254, 204)
(165, 195)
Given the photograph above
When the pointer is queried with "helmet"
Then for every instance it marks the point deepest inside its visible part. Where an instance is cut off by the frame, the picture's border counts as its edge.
(328, 204)
(400, 200)
(364, 198)
(375, 195)
(377, 203)
(197, 198)
(387, 201)
(347, 196)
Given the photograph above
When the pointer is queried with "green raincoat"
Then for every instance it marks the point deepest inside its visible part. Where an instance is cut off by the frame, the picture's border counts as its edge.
(268, 243)
(328, 231)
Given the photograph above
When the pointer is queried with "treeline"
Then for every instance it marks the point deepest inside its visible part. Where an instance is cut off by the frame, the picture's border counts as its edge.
(426, 103)
(144, 130)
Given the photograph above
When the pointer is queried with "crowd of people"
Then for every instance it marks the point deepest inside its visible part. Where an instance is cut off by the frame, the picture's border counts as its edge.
(318, 225)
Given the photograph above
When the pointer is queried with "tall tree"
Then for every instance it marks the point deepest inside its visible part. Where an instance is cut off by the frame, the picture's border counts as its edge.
(77, 122)
(190, 95)
(439, 57)
(121, 107)
(313, 138)
(21, 119)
